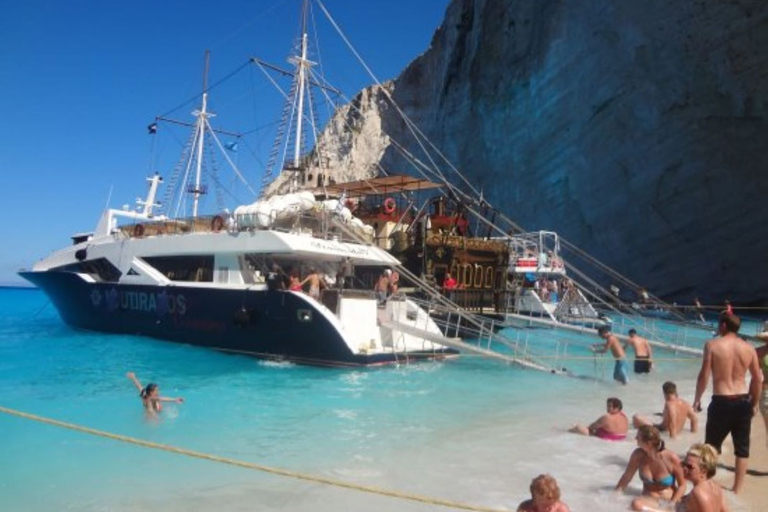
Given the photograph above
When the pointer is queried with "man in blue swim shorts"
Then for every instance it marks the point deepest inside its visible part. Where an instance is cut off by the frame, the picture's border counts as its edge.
(621, 368)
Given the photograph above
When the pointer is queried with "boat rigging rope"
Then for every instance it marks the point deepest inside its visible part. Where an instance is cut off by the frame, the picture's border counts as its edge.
(251, 465)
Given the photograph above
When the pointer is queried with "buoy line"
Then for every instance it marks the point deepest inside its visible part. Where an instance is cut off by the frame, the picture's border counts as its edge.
(251, 465)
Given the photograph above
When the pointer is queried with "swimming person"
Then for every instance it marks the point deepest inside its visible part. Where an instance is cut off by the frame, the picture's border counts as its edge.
(545, 497)
(643, 352)
(658, 468)
(728, 358)
(150, 396)
(611, 426)
(621, 369)
(699, 466)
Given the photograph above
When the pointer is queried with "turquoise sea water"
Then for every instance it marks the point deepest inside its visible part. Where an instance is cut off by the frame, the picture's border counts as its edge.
(468, 430)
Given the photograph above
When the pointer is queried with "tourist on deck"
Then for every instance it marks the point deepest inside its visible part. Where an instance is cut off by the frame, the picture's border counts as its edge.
(315, 283)
(394, 282)
(382, 288)
(611, 426)
(275, 278)
(150, 396)
(699, 466)
(728, 307)
(676, 412)
(621, 368)
(728, 359)
(643, 352)
(545, 496)
(762, 355)
(294, 283)
(449, 284)
(346, 271)
(659, 468)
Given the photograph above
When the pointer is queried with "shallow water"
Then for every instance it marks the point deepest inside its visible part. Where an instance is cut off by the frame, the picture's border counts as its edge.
(468, 430)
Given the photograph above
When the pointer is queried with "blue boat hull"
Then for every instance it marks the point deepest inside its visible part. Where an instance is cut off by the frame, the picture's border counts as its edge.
(261, 323)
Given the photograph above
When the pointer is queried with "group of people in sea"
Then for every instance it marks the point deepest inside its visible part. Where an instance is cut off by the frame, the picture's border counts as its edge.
(641, 347)
(727, 360)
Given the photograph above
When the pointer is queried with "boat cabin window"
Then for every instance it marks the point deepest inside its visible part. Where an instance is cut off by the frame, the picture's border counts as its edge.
(184, 268)
(100, 268)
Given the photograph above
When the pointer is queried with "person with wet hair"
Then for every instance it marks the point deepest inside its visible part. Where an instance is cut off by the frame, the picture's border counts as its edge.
(658, 468)
(150, 396)
(545, 496)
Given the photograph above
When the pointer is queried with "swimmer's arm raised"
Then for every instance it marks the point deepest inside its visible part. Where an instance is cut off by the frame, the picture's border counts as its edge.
(135, 381)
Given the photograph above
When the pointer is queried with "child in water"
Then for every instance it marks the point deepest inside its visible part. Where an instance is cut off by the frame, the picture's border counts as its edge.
(150, 396)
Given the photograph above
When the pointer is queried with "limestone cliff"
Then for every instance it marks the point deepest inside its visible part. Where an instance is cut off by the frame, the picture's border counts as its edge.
(635, 129)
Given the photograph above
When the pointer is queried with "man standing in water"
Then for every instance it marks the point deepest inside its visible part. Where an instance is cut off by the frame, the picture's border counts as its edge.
(643, 352)
(728, 358)
(621, 369)
(676, 412)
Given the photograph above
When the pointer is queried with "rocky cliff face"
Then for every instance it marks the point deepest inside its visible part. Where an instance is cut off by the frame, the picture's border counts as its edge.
(637, 130)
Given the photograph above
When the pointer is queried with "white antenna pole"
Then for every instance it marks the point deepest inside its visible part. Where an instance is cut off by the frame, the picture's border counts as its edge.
(201, 116)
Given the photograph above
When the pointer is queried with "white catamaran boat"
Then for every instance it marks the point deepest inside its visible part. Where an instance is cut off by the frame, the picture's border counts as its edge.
(540, 283)
(221, 280)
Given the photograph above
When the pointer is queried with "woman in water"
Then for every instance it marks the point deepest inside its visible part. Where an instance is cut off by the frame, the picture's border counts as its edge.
(545, 497)
(699, 466)
(659, 469)
(150, 396)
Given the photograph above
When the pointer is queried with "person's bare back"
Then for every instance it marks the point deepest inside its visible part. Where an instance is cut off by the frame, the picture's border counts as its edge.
(676, 412)
(729, 359)
(640, 345)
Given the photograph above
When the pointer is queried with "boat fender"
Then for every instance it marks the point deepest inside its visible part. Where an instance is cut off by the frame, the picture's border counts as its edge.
(81, 254)
(138, 230)
(389, 205)
(217, 223)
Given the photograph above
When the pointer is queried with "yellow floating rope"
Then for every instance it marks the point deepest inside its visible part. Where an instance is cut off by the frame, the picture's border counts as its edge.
(250, 465)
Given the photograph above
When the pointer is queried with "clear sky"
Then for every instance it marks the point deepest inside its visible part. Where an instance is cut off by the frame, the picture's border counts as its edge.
(82, 79)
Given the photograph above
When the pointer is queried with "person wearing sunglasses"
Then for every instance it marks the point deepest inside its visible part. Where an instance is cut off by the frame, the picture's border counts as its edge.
(699, 466)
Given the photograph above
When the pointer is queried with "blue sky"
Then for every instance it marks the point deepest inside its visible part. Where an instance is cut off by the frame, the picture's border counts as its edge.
(82, 79)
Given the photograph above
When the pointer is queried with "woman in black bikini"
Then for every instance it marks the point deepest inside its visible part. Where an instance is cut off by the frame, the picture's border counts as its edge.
(150, 396)
(659, 469)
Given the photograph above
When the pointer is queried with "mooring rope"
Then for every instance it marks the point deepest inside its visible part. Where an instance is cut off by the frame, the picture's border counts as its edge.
(251, 465)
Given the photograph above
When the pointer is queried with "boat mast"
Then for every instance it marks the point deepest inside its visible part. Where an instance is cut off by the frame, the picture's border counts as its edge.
(302, 64)
(202, 116)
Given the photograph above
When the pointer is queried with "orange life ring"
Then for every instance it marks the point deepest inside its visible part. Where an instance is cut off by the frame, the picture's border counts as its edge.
(138, 230)
(217, 223)
(389, 205)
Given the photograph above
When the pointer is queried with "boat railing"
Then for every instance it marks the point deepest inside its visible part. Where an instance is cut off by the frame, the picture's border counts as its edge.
(322, 225)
